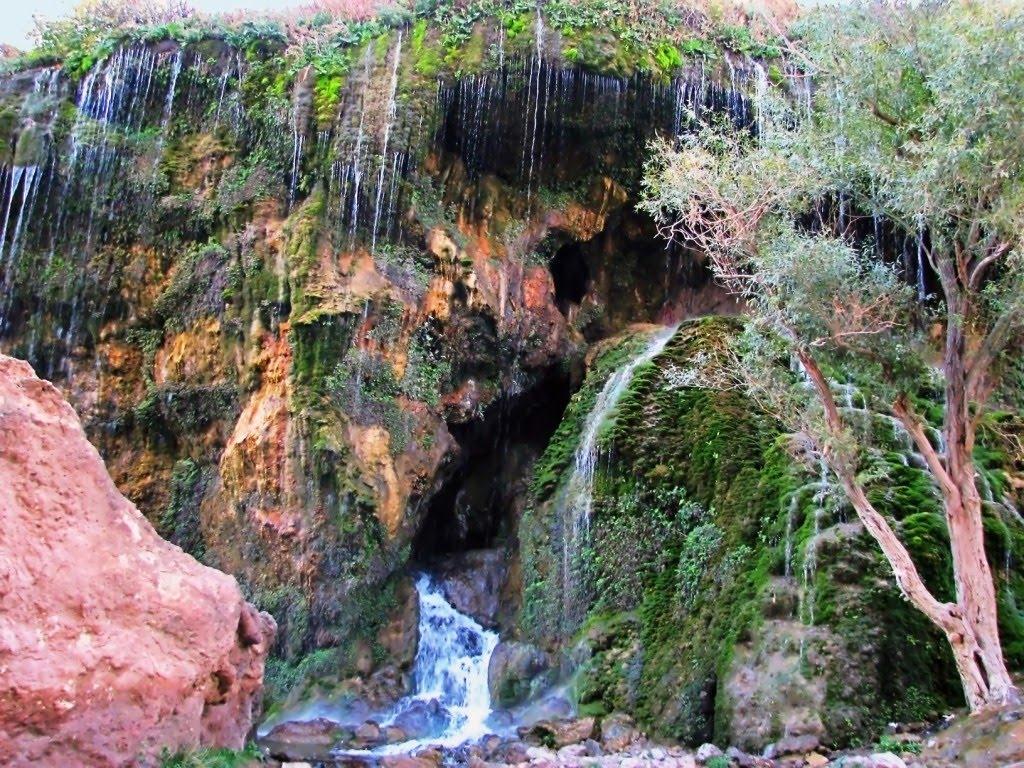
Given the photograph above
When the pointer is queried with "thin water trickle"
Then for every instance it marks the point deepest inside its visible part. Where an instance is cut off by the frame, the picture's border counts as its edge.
(811, 548)
(922, 291)
(577, 497)
(389, 120)
(794, 505)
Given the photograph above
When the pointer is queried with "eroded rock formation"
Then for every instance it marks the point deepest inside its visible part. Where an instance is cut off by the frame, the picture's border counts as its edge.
(323, 321)
(114, 644)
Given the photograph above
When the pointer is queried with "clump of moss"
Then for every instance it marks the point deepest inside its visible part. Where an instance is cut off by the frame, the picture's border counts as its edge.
(196, 288)
(703, 491)
(179, 522)
(178, 409)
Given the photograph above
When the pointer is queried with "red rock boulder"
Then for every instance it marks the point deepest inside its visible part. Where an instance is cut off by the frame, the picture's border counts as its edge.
(114, 644)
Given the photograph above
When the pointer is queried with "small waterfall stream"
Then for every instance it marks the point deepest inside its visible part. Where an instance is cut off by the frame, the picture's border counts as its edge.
(577, 501)
(451, 667)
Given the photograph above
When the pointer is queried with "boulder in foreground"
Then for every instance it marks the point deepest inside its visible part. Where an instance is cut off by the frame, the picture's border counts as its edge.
(114, 644)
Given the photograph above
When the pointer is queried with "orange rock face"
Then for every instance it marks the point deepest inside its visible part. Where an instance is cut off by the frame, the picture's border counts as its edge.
(114, 644)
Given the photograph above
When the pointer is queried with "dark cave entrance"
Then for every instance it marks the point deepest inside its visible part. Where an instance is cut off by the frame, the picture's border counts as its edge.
(479, 504)
(571, 275)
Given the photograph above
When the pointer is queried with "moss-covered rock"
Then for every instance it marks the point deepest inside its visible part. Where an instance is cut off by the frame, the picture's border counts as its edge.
(734, 596)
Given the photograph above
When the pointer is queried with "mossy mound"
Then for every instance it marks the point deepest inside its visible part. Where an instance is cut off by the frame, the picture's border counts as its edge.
(733, 596)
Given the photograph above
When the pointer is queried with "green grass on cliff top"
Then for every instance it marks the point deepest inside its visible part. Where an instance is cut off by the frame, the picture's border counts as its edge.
(657, 35)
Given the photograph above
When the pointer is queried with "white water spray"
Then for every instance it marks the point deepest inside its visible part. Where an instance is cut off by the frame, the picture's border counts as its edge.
(451, 667)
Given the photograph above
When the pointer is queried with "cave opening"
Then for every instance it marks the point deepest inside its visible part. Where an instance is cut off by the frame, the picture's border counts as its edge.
(479, 504)
(571, 275)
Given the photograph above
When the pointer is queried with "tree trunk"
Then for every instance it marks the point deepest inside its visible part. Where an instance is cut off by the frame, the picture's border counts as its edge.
(970, 624)
(978, 645)
(975, 589)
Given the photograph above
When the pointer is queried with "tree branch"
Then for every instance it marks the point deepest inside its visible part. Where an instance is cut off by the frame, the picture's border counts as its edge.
(978, 272)
(903, 568)
(912, 422)
(981, 362)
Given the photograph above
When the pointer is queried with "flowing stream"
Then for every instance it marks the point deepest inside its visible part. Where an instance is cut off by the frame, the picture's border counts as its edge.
(451, 667)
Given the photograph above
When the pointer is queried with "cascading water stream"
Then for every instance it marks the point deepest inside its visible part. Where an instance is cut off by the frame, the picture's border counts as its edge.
(811, 548)
(577, 500)
(451, 667)
(389, 120)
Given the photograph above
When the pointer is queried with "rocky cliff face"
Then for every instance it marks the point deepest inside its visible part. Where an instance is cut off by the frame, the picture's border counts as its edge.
(114, 644)
(725, 591)
(310, 310)
(323, 294)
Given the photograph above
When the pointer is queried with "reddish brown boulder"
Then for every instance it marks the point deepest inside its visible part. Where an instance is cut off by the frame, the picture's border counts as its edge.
(114, 644)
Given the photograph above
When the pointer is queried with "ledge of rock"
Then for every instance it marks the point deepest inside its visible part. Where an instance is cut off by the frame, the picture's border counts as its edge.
(114, 644)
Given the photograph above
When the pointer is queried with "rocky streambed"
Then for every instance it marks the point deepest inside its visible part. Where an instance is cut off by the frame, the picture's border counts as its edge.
(476, 700)
(453, 716)
(614, 740)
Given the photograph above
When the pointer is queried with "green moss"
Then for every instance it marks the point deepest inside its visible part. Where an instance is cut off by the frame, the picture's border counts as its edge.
(196, 288)
(180, 522)
(149, 341)
(692, 500)
(302, 232)
(667, 57)
(207, 757)
(10, 117)
(177, 409)
(467, 57)
(551, 467)
(31, 147)
(426, 57)
(326, 93)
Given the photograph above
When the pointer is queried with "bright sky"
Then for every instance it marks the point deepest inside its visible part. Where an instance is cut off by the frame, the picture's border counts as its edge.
(16, 17)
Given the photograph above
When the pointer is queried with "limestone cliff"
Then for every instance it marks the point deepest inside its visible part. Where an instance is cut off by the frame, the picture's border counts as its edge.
(334, 298)
(310, 308)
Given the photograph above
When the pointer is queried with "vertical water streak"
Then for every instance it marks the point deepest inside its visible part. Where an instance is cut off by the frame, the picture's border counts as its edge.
(794, 502)
(27, 198)
(760, 97)
(389, 119)
(922, 291)
(811, 547)
(539, 67)
(12, 189)
(166, 115)
(298, 139)
(576, 498)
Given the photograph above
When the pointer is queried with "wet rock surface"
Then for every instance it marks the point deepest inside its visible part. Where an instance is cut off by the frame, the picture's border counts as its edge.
(987, 739)
(422, 719)
(516, 672)
(473, 583)
(991, 740)
(114, 644)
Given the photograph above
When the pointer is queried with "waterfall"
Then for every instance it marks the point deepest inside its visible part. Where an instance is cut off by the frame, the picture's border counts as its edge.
(389, 119)
(760, 97)
(451, 668)
(922, 291)
(794, 506)
(811, 548)
(576, 500)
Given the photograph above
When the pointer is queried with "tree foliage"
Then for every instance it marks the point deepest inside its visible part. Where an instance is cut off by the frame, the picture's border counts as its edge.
(910, 133)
